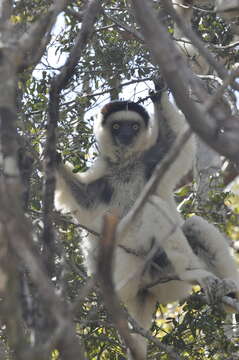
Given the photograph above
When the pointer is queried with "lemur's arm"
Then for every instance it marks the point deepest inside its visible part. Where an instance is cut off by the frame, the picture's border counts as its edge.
(81, 192)
(172, 124)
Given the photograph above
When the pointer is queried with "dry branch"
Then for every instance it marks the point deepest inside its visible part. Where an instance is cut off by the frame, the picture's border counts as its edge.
(18, 234)
(10, 307)
(104, 274)
(220, 91)
(57, 85)
(10, 187)
(166, 348)
(5, 11)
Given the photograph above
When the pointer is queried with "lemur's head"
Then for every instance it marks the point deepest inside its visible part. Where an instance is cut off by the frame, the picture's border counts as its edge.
(123, 129)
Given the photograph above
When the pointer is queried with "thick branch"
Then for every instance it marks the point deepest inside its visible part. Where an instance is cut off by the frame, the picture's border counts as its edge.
(104, 272)
(82, 39)
(5, 10)
(29, 42)
(10, 306)
(189, 34)
(18, 235)
(58, 83)
(48, 236)
(168, 57)
(227, 6)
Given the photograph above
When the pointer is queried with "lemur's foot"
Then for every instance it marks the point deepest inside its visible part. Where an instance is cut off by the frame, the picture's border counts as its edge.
(216, 289)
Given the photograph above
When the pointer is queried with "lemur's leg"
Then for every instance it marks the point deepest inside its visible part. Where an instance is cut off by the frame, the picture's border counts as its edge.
(212, 249)
(141, 308)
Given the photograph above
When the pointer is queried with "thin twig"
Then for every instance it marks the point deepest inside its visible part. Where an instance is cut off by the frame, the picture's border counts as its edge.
(225, 47)
(167, 349)
(137, 35)
(83, 293)
(220, 91)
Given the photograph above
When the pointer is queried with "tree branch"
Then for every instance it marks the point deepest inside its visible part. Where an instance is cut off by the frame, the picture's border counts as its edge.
(18, 235)
(58, 83)
(90, 15)
(209, 105)
(166, 348)
(127, 28)
(189, 34)
(38, 34)
(104, 273)
(79, 15)
(168, 57)
(5, 11)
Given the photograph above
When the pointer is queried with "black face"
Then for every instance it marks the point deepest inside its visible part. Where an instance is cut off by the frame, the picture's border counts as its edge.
(124, 132)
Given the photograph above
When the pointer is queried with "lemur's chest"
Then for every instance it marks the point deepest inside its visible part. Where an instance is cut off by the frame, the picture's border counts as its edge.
(127, 185)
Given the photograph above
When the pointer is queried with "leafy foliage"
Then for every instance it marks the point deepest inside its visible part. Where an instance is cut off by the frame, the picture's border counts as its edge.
(113, 58)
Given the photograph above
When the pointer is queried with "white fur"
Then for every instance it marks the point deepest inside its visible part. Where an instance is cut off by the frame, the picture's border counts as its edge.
(126, 194)
(10, 166)
(185, 159)
(66, 202)
(159, 219)
(224, 265)
(122, 200)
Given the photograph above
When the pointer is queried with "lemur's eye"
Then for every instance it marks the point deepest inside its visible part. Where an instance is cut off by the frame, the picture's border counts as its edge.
(115, 126)
(135, 127)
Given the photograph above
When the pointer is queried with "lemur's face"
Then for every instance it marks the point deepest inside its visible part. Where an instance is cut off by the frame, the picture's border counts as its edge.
(122, 130)
(125, 127)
